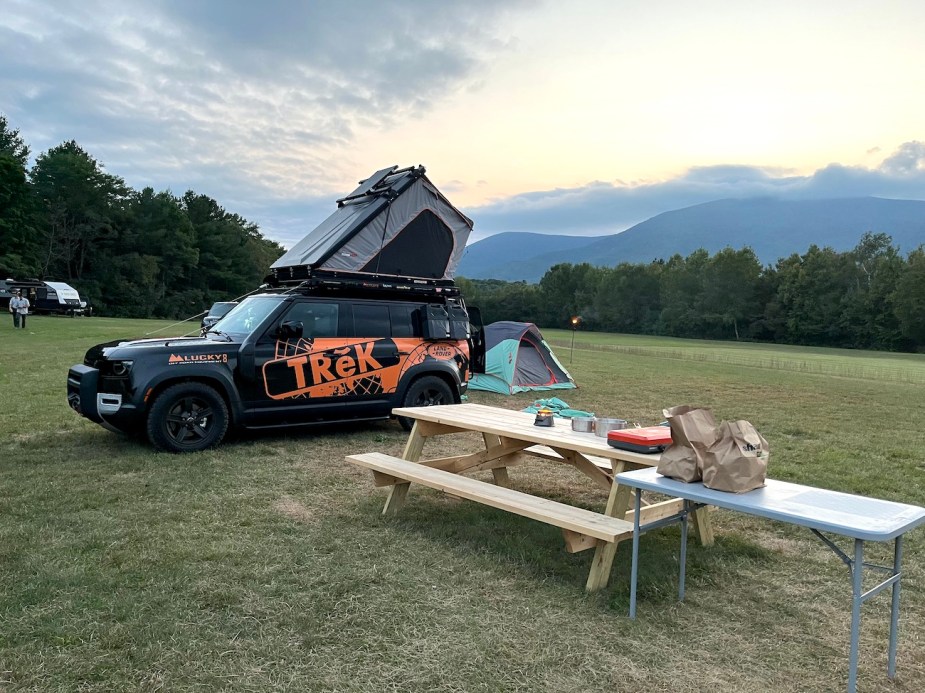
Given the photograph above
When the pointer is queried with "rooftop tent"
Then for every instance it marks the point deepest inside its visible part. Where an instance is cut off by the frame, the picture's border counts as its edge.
(518, 359)
(396, 223)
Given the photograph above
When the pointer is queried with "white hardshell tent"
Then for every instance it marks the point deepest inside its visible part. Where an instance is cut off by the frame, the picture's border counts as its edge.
(396, 223)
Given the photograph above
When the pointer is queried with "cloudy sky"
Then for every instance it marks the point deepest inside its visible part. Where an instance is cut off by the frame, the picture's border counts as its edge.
(582, 117)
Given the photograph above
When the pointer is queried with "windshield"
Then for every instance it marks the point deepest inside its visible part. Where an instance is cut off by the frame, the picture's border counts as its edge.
(219, 309)
(247, 315)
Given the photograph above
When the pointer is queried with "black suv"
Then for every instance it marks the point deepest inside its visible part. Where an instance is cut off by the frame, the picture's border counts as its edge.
(284, 357)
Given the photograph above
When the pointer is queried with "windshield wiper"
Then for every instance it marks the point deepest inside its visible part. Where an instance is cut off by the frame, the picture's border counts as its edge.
(227, 336)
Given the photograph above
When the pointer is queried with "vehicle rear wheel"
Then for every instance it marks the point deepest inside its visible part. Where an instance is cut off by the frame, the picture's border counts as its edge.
(428, 391)
(187, 417)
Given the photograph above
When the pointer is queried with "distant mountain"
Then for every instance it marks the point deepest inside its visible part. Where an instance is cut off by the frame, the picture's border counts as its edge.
(504, 247)
(772, 228)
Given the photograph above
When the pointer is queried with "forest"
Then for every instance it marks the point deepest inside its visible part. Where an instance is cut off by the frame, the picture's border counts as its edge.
(141, 254)
(871, 297)
(151, 254)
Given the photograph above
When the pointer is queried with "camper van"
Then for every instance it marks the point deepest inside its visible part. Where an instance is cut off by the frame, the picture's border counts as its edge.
(50, 298)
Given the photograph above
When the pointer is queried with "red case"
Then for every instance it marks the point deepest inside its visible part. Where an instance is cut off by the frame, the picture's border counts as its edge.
(651, 439)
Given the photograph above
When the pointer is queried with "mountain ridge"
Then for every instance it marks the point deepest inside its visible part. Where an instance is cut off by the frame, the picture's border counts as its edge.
(772, 227)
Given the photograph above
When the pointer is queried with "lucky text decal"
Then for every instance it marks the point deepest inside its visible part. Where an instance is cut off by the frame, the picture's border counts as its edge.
(177, 359)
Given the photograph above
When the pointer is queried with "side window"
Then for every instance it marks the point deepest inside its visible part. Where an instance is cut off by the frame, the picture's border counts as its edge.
(405, 319)
(318, 319)
(371, 320)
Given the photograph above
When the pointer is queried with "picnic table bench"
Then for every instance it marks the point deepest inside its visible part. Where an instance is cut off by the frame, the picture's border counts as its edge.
(582, 529)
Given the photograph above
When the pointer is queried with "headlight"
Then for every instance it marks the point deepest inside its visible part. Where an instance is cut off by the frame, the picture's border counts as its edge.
(121, 368)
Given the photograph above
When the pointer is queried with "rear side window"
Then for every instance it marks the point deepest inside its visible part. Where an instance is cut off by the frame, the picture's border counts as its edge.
(318, 319)
(371, 320)
(405, 319)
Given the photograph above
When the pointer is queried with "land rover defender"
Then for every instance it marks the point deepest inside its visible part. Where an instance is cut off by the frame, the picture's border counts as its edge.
(284, 357)
(360, 316)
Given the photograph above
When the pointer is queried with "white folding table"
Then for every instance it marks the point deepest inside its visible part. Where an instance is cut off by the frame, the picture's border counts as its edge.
(820, 510)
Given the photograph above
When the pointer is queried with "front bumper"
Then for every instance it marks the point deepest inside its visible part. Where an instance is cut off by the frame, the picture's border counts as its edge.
(82, 383)
(104, 408)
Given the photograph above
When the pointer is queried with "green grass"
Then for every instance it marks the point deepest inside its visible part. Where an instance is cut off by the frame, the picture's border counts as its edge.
(868, 365)
(265, 565)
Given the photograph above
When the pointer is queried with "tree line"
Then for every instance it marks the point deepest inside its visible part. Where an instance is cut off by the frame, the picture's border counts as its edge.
(141, 254)
(870, 297)
(152, 254)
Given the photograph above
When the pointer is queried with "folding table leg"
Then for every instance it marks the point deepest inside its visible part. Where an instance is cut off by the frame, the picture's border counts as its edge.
(634, 570)
(683, 573)
(857, 571)
(686, 509)
(894, 611)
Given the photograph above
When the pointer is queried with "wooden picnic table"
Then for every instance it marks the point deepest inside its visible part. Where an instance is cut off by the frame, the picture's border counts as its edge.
(511, 439)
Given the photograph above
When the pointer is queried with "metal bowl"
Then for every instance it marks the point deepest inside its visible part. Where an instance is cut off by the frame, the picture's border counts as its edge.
(603, 426)
(583, 424)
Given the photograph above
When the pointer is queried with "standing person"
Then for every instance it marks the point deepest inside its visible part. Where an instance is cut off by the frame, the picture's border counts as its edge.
(19, 307)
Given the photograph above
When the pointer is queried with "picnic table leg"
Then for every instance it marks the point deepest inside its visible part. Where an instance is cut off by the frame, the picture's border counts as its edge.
(704, 526)
(415, 445)
(600, 565)
(499, 473)
(399, 492)
(396, 498)
(618, 501)
(617, 504)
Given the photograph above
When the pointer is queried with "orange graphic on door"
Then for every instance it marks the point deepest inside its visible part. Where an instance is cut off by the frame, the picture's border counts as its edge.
(350, 367)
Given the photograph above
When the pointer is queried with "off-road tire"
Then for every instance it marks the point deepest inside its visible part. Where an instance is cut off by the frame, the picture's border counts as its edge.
(187, 417)
(428, 391)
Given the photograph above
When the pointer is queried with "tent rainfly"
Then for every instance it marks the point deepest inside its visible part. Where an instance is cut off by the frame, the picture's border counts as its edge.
(518, 359)
(395, 224)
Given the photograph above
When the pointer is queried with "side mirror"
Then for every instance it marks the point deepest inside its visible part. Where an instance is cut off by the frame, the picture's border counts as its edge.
(290, 329)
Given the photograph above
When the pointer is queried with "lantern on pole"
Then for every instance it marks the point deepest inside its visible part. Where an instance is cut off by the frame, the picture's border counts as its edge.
(575, 322)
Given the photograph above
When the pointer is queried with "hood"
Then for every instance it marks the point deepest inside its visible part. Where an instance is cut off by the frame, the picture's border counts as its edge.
(134, 348)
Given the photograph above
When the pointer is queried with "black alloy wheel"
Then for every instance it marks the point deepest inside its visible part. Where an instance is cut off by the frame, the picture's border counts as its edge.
(187, 417)
(429, 391)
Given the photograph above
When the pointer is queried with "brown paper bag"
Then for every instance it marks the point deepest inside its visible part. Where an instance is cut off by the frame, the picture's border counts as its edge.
(738, 460)
(693, 430)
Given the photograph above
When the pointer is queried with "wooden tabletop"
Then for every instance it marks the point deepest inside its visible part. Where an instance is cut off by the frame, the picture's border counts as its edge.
(518, 425)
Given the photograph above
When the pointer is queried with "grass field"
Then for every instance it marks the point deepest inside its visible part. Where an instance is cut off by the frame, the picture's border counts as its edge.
(265, 565)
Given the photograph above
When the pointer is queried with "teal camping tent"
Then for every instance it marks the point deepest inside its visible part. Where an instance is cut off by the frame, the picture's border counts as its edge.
(517, 359)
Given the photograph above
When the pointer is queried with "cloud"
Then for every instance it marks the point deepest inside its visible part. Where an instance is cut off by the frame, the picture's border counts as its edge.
(605, 208)
(908, 159)
(258, 104)
(240, 101)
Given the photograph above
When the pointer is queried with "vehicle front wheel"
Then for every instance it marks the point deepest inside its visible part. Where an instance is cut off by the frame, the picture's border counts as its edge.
(187, 417)
(428, 391)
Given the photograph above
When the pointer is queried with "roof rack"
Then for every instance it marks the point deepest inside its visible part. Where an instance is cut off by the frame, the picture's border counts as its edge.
(376, 184)
(358, 284)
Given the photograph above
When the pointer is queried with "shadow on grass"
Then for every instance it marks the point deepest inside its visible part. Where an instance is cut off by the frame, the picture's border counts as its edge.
(526, 549)
(307, 432)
